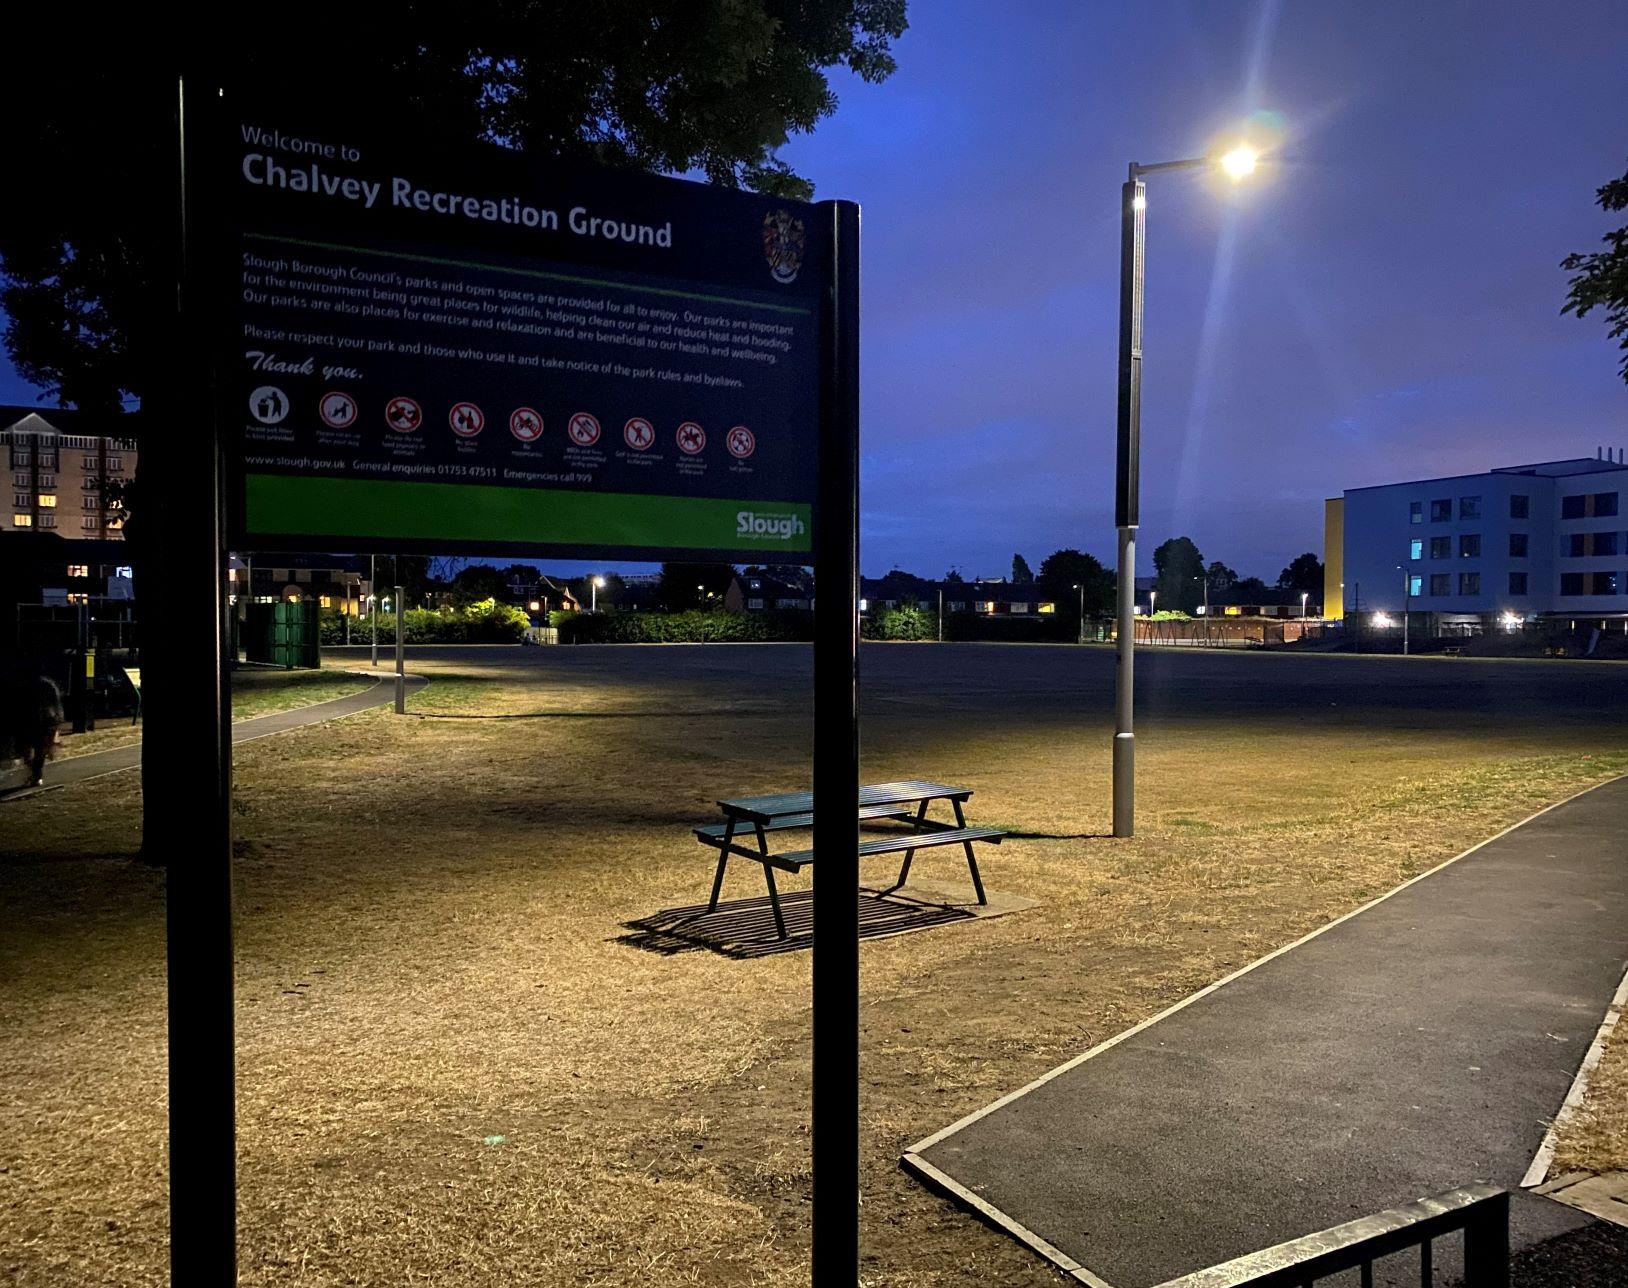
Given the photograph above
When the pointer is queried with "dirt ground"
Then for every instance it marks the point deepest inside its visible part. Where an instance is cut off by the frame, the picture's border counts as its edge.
(459, 1065)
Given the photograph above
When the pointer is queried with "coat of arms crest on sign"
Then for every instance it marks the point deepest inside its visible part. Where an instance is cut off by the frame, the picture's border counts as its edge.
(783, 241)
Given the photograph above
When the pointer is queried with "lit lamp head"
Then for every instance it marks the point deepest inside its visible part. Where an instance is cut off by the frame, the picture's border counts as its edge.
(599, 581)
(1240, 163)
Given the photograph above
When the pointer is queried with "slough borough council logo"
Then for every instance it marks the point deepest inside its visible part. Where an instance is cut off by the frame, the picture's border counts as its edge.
(783, 241)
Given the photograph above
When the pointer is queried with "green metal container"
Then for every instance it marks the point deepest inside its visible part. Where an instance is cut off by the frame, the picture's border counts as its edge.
(286, 634)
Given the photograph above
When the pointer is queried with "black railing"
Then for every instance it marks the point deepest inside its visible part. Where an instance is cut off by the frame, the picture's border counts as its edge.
(1480, 1211)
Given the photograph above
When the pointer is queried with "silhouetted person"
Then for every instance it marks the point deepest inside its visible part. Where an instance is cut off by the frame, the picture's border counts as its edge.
(29, 719)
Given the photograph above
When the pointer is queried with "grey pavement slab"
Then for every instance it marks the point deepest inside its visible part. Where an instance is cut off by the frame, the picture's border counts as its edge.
(1422, 1044)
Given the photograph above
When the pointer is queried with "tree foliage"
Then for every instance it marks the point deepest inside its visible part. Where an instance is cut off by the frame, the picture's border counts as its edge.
(1304, 573)
(1063, 570)
(1180, 569)
(660, 85)
(1021, 573)
(478, 582)
(1600, 279)
(686, 587)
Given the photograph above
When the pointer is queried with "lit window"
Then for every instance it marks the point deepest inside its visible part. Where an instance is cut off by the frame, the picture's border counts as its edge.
(1416, 585)
(79, 570)
(48, 501)
(1416, 548)
(325, 601)
(23, 520)
(1045, 608)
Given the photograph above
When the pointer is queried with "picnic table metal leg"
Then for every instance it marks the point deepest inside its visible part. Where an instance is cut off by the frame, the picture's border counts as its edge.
(723, 861)
(774, 901)
(904, 870)
(972, 860)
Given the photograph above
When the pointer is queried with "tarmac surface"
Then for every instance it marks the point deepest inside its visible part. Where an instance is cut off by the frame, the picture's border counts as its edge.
(1421, 1044)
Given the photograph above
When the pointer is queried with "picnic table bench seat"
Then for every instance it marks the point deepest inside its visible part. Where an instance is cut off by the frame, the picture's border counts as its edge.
(754, 816)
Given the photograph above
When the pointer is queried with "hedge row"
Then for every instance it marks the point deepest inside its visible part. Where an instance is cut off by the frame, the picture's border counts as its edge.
(486, 623)
(683, 628)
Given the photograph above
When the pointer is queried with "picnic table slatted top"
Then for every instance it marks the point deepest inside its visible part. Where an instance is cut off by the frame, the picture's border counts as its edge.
(763, 809)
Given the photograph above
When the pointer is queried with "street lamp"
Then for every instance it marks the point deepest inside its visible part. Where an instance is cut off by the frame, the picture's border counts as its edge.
(1080, 586)
(594, 583)
(1407, 604)
(1303, 597)
(1236, 165)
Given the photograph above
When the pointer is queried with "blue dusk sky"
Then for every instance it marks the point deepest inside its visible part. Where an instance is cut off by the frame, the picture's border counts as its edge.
(1381, 302)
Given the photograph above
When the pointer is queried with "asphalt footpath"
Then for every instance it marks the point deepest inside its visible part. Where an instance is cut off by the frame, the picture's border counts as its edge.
(97, 764)
(1424, 1043)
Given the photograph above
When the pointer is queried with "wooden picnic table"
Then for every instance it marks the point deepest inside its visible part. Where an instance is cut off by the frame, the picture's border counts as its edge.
(760, 815)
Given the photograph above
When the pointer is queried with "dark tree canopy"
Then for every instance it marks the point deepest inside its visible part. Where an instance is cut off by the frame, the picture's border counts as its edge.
(1064, 570)
(1180, 569)
(674, 86)
(478, 582)
(687, 586)
(1304, 573)
(1020, 570)
(1222, 578)
(1600, 280)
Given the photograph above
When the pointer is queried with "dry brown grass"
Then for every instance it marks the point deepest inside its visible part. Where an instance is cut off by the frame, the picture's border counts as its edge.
(452, 1071)
(1595, 1139)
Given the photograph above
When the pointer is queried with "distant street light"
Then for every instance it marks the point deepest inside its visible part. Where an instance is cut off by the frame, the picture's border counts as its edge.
(1236, 165)
(1407, 604)
(594, 583)
(1303, 597)
(1080, 586)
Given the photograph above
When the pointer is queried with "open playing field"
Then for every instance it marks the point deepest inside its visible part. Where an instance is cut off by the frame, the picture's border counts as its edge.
(459, 1066)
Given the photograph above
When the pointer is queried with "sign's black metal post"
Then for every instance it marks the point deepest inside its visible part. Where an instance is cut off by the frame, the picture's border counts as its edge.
(401, 650)
(836, 765)
(1133, 225)
(188, 825)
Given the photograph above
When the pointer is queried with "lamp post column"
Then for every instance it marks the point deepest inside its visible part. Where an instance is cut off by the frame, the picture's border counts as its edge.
(1132, 242)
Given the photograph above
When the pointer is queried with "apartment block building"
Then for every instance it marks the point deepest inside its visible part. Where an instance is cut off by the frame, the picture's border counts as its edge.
(1547, 539)
(63, 483)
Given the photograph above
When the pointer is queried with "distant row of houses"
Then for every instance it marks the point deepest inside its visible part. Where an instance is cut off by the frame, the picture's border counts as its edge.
(766, 589)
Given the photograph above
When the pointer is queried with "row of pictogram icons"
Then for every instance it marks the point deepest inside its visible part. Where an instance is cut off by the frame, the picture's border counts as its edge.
(270, 406)
(467, 420)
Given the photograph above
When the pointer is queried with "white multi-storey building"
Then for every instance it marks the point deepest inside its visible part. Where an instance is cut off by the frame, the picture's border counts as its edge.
(1522, 541)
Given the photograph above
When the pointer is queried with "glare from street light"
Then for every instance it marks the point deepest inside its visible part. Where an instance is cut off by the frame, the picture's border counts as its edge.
(1139, 201)
(599, 581)
(1240, 162)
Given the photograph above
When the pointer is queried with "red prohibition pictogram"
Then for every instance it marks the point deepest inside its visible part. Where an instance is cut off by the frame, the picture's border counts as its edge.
(403, 415)
(466, 419)
(583, 429)
(337, 410)
(691, 438)
(526, 424)
(741, 442)
(639, 434)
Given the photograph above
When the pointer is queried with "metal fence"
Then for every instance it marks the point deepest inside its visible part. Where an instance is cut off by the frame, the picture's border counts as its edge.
(1480, 1212)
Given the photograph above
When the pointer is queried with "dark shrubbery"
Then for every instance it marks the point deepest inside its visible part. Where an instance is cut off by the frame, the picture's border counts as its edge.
(483, 623)
(906, 622)
(683, 628)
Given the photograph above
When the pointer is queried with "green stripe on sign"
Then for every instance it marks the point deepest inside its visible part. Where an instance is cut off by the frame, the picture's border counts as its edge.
(295, 505)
